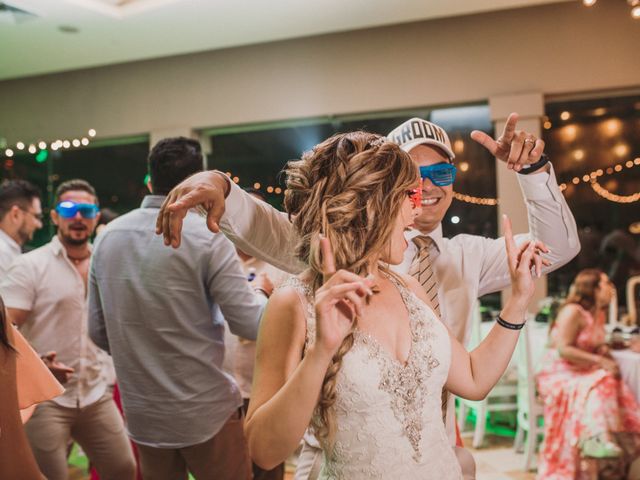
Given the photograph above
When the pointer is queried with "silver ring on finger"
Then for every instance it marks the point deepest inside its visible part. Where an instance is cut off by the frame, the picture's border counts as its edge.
(530, 140)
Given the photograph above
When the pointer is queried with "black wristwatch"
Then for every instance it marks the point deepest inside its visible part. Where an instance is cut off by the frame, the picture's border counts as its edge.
(544, 159)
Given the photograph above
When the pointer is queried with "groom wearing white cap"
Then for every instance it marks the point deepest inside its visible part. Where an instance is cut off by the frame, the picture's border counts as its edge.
(454, 272)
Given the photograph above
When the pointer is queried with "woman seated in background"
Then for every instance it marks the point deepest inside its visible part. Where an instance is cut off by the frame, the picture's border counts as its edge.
(585, 402)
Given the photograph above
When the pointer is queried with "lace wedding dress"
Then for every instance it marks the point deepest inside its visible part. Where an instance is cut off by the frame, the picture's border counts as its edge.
(389, 414)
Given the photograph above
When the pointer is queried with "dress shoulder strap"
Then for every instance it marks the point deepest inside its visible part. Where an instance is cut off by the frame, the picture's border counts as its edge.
(305, 295)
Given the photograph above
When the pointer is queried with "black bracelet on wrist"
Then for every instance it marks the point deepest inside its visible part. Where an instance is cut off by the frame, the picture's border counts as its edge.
(544, 159)
(511, 326)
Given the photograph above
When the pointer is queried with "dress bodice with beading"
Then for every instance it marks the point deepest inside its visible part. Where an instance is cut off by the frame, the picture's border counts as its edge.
(388, 414)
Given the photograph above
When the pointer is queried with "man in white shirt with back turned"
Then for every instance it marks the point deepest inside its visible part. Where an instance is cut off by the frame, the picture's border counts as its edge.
(455, 272)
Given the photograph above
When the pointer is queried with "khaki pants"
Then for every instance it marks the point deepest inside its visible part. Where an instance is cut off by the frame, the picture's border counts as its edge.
(99, 430)
(223, 457)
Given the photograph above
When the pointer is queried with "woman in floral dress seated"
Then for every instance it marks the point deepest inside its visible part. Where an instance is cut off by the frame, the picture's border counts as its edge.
(355, 349)
(587, 407)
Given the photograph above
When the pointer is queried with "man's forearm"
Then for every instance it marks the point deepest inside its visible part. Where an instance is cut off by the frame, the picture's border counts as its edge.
(258, 229)
(550, 219)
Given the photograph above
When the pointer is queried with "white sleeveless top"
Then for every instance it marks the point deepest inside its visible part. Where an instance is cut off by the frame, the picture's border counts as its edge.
(389, 414)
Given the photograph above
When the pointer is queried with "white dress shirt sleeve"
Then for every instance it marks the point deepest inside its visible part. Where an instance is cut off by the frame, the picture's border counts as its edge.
(260, 230)
(97, 327)
(18, 287)
(6, 259)
(550, 221)
(241, 306)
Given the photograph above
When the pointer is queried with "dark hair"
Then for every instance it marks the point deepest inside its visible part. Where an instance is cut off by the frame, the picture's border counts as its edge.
(4, 339)
(16, 192)
(583, 289)
(107, 215)
(256, 192)
(172, 160)
(581, 292)
(77, 184)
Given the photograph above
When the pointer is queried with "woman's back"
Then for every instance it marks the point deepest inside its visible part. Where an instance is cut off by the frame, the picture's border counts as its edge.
(388, 413)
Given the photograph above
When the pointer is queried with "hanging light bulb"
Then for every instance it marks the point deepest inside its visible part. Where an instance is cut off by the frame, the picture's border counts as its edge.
(589, 3)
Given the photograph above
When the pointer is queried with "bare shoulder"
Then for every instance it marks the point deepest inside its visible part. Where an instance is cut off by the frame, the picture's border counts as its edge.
(283, 328)
(571, 314)
(284, 313)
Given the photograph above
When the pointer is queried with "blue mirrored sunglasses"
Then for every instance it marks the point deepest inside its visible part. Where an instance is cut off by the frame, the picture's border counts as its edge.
(440, 174)
(68, 209)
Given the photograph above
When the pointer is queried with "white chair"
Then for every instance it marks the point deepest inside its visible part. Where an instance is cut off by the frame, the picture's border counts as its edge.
(530, 408)
(502, 397)
(632, 283)
(612, 318)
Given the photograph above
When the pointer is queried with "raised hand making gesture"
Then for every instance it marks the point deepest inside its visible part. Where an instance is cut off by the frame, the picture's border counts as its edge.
(515, 147)
(338, 302)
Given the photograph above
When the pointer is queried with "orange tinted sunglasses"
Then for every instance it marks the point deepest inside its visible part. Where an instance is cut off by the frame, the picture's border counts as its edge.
(415, 195)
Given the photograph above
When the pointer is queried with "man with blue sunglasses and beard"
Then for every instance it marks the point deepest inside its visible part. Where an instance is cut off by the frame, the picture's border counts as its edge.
(454, 272)
(45, 293)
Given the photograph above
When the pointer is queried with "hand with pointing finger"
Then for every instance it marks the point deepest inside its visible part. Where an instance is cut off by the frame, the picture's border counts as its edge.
(523, 261)
(515, 147)
(338, 302)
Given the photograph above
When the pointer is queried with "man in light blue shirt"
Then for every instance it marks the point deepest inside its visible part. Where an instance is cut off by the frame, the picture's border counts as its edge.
(160, 314)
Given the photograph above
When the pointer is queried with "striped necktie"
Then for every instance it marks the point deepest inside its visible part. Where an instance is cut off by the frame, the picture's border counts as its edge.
(422, 271)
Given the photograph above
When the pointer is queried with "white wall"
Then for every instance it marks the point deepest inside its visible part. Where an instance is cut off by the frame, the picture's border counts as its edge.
(552, 49)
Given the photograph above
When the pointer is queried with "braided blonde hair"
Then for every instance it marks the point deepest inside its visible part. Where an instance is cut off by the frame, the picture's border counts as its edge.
(349, 188)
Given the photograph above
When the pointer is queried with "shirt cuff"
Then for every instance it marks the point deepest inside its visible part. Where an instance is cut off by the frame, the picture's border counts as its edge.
(540, 186)
(233, 204)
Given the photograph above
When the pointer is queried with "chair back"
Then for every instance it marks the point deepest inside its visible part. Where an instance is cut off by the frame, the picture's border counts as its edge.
(612, 317)
(529, 355)
(632, 305)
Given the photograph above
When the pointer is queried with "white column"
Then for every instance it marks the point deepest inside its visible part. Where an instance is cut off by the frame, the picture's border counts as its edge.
(182, 131)
(174, 131)
(530, 108)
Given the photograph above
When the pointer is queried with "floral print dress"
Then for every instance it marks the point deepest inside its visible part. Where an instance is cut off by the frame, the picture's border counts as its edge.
(580, 403)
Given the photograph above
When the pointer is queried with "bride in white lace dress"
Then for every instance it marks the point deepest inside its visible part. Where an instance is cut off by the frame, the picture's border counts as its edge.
(358, 354)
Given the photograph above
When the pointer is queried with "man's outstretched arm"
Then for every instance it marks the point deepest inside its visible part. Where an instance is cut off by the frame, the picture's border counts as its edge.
(254, 227)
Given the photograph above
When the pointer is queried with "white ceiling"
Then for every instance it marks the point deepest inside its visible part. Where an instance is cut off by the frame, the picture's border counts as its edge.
(116, 31)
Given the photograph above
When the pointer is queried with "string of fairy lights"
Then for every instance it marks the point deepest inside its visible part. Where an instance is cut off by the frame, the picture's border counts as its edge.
(39, 148)
(591, 178)
(41, 145)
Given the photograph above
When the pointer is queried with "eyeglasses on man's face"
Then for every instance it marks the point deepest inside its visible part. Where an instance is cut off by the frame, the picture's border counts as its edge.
(37, 215)
(440, 174)
(69, 209)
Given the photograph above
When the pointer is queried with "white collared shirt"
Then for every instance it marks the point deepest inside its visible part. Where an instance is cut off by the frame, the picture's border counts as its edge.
(9, 251)
(46, 283)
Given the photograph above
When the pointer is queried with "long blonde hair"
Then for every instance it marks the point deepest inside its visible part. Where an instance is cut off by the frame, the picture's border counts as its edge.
(349, 188)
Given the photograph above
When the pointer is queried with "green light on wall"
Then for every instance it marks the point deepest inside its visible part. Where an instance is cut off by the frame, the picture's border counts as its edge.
(42, 156)
(146, 180)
